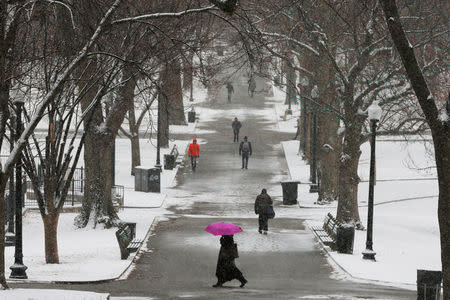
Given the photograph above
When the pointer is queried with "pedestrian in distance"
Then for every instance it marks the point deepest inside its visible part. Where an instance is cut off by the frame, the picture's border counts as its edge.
(236, 125)
(251, 86)
(262, 203)
(194, 153)
(230, 90)
(245, 150)
(226, 269)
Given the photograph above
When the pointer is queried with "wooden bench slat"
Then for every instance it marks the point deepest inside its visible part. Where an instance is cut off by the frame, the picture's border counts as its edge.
(126, 240)
(328, 232)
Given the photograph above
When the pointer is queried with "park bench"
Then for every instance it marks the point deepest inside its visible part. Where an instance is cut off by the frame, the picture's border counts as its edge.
(172, 159)
(176, 155)
(328, 232)
(126, 238)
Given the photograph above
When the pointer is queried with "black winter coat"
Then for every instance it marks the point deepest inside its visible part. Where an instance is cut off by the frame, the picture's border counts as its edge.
(226, 269)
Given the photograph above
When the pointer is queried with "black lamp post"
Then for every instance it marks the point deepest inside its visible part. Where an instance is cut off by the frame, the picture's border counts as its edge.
(191, 98)
(374, 112)
(158, 134)
(18, 270)
(314, 187)
(10, 237)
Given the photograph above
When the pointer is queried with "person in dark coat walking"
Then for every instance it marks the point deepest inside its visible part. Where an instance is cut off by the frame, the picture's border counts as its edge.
(245, 150)
(263, 201)
(236, 125)
(226, 269)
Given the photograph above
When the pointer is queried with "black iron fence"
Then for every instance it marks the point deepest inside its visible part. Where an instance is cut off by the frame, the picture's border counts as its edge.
(74, 195)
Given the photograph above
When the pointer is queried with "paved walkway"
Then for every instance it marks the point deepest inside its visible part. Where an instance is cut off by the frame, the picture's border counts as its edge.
(286, 264)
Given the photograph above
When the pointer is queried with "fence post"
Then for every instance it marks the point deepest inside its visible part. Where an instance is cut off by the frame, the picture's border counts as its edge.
(73, 190)
(82, 181)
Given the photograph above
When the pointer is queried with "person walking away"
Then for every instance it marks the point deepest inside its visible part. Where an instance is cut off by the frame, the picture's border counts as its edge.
(245, 150)
(263, 201)
(230, 90)
(226, 269)
(236, 125)
(194, 153)
(251, 86)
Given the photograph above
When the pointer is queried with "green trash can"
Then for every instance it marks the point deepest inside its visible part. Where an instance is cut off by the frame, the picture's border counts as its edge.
(428, 285)
(290, 191)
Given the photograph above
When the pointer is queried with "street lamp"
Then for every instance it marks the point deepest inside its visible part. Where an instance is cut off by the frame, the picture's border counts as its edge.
(191, 98)
(314, 187)
(374, 112)
(18, 270)
(10, 237)
(158, 134)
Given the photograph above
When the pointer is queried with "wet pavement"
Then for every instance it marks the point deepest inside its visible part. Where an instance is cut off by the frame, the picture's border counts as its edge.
(286, 264)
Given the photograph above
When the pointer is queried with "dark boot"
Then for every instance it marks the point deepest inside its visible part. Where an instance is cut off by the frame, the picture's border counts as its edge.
(243, 282)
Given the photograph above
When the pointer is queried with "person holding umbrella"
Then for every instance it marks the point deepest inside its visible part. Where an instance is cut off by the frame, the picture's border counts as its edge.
(226, 269)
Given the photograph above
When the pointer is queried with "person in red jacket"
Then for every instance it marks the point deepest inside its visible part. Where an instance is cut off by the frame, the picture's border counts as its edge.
(194, 153)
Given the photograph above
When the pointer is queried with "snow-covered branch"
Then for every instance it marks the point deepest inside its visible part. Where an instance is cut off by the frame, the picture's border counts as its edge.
(53, 92)
(298, 43)
(164, 15)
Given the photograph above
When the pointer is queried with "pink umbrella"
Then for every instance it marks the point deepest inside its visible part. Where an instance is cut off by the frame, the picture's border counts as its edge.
(222, 228)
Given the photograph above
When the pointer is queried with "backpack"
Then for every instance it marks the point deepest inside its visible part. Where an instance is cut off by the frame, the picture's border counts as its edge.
(245, 147)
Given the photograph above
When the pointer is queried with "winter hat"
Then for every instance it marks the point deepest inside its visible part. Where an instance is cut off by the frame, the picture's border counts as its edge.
(194, 140)
(264, 191)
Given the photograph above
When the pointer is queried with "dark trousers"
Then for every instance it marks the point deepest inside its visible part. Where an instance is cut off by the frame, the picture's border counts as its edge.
(229, 96)
(245, 156)
(194, 162)
(263, 221)
(236, 136)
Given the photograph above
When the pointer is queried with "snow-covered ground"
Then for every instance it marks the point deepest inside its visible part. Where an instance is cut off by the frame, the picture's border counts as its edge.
(406, 231)
(406, 235)
(35, 294)
(93, 254)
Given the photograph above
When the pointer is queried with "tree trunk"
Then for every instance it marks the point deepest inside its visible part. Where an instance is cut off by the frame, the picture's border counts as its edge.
(442, 156)
(135, 146)
(174, 93)
(327, 152)
(97, 207)
(163, 112)
(291, 80)
(51, 237)
(328, 138)
(135, 152)
(187, 72)
(347, 211)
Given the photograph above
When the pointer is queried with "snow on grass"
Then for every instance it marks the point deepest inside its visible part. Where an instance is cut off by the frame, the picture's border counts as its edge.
(406, 232)
(148, 160)
(85, 254)
(36, 294)
(93, 254)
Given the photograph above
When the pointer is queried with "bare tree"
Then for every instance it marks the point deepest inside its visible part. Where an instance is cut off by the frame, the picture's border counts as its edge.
(438, 120)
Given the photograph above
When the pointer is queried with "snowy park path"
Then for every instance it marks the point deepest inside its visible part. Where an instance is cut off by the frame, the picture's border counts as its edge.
(286, 264)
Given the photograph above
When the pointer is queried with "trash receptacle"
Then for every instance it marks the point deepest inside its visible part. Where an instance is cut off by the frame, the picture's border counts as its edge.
(428, 285)
(290, 192)
(138, 172)
(191, 116)
(169, 161)
(154, 180)
(345, 236)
